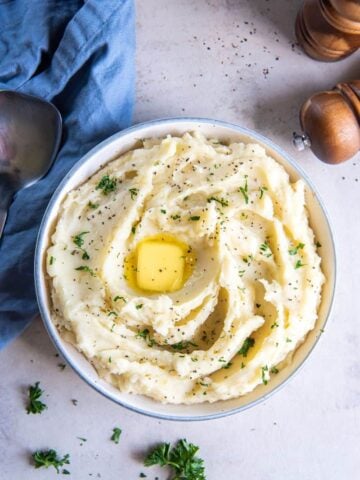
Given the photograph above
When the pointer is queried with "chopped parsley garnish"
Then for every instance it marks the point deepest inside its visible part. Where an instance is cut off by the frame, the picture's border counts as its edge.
(265, 249)
(275, 324)
(49, 458)
(298, 264)
(241, 273)
(85, 268)
(264, 374)
(248, 259)
(119, 298)
(175, 217)
(112, 313)
(163, 211)
(93, 206)
(35, 405)
(244, 190)
(294, 251)
(52, 260)
(140, 305)
(107, 185)
(145, 334)
(194, 218)
(221, 201)
(133, 192)
(262, 190)
(133, 230)
(248, 343)
(181, 458)
(318, 244)
(115, 437)
(228, 365)
(184, 344)
(274, 370)
(79, 242)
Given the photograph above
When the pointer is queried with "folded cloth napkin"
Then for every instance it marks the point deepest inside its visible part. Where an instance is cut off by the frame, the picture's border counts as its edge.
(79, 55)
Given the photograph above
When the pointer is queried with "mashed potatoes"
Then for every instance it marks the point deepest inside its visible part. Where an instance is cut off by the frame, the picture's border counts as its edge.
(186, 269)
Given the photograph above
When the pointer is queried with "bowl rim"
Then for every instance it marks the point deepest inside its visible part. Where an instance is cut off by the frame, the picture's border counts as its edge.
(38, 265)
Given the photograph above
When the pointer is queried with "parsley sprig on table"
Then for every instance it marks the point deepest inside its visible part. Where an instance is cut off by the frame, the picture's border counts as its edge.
(49, 458)
(35, 405)
(181, 458)
(115, 437)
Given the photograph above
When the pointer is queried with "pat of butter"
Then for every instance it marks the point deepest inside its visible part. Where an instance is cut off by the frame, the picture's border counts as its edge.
(160, 266)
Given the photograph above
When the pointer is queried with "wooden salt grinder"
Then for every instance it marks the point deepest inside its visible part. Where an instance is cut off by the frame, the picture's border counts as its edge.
(330, 121)
(329, 30)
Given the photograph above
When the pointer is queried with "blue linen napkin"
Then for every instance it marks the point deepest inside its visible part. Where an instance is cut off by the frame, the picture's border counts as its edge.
(79, 55)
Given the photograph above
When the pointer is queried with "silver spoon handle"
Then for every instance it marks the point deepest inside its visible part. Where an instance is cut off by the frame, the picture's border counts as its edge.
(3, 215)
(7, 190)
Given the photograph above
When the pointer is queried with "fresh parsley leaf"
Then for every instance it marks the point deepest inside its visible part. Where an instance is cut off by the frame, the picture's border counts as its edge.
(181, 458)
(93, 206)
(262, 190)
(115, 437)
(294, 251)
(79, 242)
(145, 335)
(183, 345)
(107, 185)
(221, 201)
(248, 343)
(85, 268)
(244, 191)
(133, 192)
(78, 239)
(35, 405)
(298, 264)
(228, 365)
(49, 458)
(119, 298)
(264, 375)
(265, 250)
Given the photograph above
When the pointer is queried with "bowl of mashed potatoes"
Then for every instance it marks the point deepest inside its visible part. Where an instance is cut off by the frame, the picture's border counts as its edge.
(185, 268)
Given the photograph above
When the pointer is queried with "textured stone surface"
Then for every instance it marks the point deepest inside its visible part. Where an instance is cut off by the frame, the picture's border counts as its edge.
(237, 61)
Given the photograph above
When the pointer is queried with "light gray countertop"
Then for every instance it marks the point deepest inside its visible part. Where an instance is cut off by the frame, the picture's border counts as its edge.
(236, 61)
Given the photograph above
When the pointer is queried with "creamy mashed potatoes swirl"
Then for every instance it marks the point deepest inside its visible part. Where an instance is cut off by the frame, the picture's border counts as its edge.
(186, 270)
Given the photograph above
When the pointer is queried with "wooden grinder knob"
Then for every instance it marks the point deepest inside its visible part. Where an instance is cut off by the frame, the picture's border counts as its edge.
(329, 30)
(330, 121)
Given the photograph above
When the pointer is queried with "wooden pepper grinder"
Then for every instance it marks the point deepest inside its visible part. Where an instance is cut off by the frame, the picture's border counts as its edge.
(330, 122)
(329, 30)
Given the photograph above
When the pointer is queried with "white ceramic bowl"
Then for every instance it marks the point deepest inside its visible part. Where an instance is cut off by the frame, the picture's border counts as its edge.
(113, 147)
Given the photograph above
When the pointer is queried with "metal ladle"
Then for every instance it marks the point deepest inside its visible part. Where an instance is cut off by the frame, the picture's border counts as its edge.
(30, 134)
